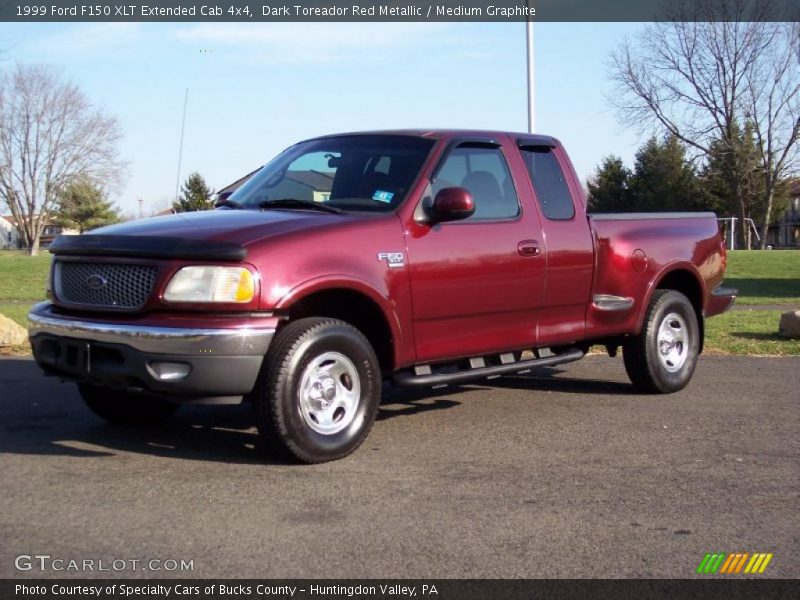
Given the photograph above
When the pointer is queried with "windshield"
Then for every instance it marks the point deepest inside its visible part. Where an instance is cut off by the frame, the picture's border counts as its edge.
(360, 172)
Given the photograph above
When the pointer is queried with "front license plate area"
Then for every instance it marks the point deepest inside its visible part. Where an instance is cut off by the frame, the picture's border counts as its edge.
(74, 356)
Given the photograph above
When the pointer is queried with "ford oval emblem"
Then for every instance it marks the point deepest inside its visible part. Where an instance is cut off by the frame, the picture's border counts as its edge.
(96, 282)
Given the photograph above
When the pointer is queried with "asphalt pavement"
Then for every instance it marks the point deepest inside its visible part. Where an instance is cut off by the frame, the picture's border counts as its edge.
(563, 473)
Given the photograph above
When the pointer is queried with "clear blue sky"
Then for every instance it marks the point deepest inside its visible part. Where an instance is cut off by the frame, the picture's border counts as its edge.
(256, 88)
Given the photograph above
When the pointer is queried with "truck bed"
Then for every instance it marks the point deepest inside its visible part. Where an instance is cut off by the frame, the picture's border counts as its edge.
(634, 252)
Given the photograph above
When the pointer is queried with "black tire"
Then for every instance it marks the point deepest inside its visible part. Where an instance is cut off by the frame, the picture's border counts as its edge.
(122, 408)
(652, 370)
(290, 418)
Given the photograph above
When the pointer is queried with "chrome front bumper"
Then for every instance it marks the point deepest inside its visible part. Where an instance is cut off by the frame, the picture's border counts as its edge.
(223, 363)
(156, 340)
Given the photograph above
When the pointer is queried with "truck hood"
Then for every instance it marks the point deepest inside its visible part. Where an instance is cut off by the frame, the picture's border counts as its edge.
(241, 227)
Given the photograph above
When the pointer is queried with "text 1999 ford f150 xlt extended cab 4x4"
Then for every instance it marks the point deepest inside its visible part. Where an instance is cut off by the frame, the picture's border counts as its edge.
(424, 257)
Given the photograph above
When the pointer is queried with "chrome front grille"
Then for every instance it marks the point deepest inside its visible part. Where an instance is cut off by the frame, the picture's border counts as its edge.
(104, 285)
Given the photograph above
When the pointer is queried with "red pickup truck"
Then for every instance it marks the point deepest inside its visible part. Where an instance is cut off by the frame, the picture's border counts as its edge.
(421, 257)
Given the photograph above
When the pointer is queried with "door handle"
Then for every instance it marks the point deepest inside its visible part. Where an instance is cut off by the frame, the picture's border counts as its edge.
(528, 248)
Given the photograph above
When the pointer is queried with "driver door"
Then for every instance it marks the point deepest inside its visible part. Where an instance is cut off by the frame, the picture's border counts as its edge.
(477, 283)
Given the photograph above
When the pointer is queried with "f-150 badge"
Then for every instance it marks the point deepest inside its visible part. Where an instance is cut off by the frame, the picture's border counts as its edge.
(393, 259)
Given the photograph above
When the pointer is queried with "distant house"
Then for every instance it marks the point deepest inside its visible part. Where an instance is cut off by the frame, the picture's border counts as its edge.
(317, 182)
(164, 213)
(11, 239)
(232, 187)
(786, 232)
(312, 185)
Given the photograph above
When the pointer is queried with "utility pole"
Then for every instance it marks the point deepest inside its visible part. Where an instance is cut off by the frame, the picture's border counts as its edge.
(529, 41)
(141, 207)
(180, 149)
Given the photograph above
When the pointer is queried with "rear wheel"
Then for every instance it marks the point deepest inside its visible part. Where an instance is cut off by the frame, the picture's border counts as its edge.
(122, 408)
(662, 358)
(319, 390)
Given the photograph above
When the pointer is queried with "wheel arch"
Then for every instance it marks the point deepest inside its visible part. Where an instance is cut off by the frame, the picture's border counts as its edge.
(354, 302)
(683, 278)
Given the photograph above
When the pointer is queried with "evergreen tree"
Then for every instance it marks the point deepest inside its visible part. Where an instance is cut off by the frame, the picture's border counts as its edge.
(732, 163)
(663, 178)
(83, 206)
(195, 195)
(737, 163)
(609, 189)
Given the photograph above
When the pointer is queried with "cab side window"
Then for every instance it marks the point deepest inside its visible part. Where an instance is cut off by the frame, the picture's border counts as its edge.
(483, 172)
(549, 182)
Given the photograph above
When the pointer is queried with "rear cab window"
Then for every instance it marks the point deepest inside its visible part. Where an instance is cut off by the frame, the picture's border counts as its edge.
(549, 182)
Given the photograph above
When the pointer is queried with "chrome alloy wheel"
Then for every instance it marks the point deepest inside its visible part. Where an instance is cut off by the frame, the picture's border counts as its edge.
(330, 391)
(673, 342)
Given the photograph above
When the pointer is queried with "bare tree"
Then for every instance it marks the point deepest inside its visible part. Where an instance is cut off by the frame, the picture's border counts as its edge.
(49, 136)
(696, 74)
(773, 106)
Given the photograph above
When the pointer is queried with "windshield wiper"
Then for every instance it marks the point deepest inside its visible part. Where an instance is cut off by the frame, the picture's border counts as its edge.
(227, 203)
(297, 203)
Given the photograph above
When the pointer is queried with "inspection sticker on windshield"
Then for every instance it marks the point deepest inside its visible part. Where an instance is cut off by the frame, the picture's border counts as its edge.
(382, 196)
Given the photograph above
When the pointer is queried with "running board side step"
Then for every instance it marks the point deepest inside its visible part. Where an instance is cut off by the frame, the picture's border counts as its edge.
(409, 379)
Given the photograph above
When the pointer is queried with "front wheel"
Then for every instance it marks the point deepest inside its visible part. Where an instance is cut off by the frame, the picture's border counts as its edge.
(319, 390)
(662, 358)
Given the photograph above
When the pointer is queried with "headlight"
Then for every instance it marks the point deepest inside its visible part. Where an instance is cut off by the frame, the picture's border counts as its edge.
(211, 284)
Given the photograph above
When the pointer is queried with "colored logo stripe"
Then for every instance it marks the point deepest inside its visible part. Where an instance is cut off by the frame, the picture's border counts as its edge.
(711, 562)
(734, 563)
(758, 563)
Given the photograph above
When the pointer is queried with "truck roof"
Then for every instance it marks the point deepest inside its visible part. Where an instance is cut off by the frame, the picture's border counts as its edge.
(447, 133)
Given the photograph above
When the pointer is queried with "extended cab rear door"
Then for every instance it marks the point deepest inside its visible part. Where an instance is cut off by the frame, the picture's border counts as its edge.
(477, 284)
(567, 236)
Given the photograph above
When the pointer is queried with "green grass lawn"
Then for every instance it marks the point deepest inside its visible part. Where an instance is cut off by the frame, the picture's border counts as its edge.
(22, 283)
(16, 312)
(748, 332)
(762, 277)
(23, 277)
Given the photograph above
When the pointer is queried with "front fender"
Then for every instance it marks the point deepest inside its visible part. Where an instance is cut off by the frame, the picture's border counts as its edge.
(402, 350)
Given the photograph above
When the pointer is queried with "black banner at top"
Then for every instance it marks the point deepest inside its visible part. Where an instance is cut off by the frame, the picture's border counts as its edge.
(397, 589)
(396, 10)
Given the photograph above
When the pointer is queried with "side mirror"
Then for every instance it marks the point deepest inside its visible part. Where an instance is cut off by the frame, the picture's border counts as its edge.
(452, 204)
(224, 196)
